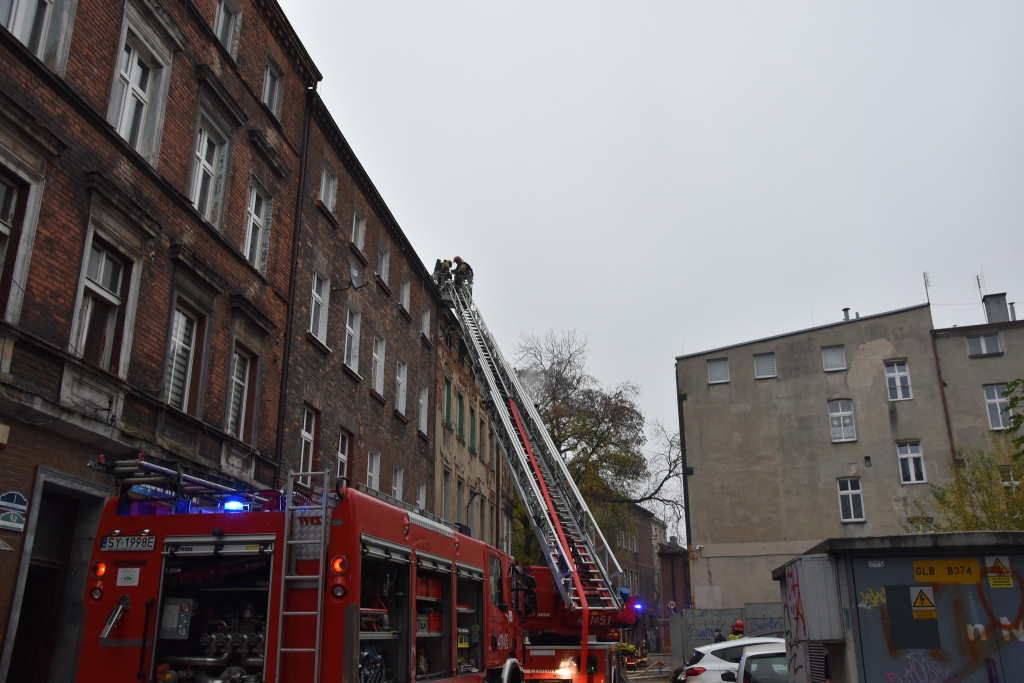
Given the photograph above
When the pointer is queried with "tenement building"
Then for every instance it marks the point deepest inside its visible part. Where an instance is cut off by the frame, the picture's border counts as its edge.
(829, 432)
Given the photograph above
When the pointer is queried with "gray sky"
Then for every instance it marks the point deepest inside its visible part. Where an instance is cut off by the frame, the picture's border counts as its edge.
(669, 177)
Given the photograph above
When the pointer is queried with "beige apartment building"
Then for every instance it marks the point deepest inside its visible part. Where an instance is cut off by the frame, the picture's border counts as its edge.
(829, 432)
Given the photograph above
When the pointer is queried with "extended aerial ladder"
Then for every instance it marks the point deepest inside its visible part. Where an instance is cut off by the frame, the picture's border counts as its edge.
(577, 553)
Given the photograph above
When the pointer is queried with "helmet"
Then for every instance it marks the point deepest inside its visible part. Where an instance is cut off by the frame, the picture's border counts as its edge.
(738, 626)
(458, 259)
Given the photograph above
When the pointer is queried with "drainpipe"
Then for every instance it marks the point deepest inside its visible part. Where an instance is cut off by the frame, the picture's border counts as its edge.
(942, 394)
(289, 323)
(680, 399)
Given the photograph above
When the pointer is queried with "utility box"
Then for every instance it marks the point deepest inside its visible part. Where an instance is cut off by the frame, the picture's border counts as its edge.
(925, 607)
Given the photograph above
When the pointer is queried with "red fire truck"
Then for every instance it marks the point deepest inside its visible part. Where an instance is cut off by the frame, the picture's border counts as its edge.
(193, 580)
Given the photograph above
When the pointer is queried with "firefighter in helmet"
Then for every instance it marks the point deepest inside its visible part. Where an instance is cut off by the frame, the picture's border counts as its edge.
(463, 274)
(737, 630)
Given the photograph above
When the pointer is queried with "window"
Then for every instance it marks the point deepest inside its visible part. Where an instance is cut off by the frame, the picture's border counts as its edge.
(226, 23)
(851, 503)
(13, 215)
(833, 358)
(358, 230)
(320, 296)
(373, 470)
(377, 369)
(472, 428)
(43, 26)
(460, 497)
(328, 188)
(983, 346)
(897, 378)
(911, 462)
(718, 370)
(461, 430)
(257, 230)
(421, 496)
(401, 384)
(423, 405)
(188, 329)
(272, 89)
(383, 265)
(447, 402)
(242, 399)
(998, 406)
(352, 320)
(764, 365)
(309, 435)
(397, 481)
(840, 419)
(141, 79)
(344, 450)
(425, 323)
(446, 493)
(209, 168)
(103, 298)
(404, 291)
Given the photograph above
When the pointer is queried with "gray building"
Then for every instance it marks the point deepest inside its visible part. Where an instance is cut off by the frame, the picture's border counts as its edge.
(829, 432)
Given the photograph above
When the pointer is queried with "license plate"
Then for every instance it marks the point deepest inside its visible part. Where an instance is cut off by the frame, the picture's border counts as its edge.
(143, 543)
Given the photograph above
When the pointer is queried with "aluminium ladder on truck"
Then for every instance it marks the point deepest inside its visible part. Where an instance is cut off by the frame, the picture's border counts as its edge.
(577, 551)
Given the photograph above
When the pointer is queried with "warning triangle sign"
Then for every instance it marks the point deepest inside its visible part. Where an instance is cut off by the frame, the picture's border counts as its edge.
(923, 601)
(999, 568)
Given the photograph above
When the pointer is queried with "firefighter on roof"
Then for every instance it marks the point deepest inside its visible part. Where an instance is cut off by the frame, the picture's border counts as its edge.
(463, 274)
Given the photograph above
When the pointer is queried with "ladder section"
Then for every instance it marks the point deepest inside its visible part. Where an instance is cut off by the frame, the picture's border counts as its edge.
(560, 518)
(306, 535)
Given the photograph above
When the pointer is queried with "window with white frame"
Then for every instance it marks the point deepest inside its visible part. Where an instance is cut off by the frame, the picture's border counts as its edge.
(352, 320)
(897, 379)
(344, 451)
(373, 470)
(320, 297)
(257, 230)
(104, 295)
(13, 195)
(358, 230)
(425, 323)
(833, 358)
(241, 394)
(998, 406)
(764, 365)
(328, 188)
(188, 329)
(43, 26)
(384, 265)
(840, 420)
(209, 167)
(404, 293)
(272, 89)
(308, 436)
(851, 502)
(984, 345)
(421, 496)
(718, 370)
(397, 482)
(401, 386)
(422, 407)
(911, 462)
(226, 24)
(377, 369)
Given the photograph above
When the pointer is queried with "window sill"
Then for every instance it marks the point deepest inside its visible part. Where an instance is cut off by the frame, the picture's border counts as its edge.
(448, 426)
(402, 417)
(827, 370)
(461, 439)
(994, 354)
(844, 440)
(327, 214)
(383, 285)
(352, 373)
(379, 397)
(359, 253)
(426, 341)
(855, 521)
(714, 383)
(758, 379)
(897, 400)
(423, 435)
(405, 313)
(320, 346)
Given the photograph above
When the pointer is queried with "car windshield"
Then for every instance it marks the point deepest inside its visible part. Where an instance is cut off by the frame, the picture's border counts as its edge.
(765, 669)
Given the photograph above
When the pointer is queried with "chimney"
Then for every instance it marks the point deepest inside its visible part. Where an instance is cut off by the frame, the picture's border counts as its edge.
(846, 313)
(995, 308)
(1013, 312)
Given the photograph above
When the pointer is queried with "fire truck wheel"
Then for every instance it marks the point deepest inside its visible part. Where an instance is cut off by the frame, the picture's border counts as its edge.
(511, 672)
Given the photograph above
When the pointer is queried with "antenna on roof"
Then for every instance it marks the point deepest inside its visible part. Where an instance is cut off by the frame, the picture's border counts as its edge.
(926, 284)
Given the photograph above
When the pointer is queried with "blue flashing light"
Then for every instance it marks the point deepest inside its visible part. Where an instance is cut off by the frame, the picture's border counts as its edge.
(638, 606)
(234, 505)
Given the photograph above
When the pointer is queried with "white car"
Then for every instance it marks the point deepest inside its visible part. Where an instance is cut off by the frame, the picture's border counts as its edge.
(710, 663)
(764, 663)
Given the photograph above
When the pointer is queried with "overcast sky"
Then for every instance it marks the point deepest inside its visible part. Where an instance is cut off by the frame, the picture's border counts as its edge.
(670, 177)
